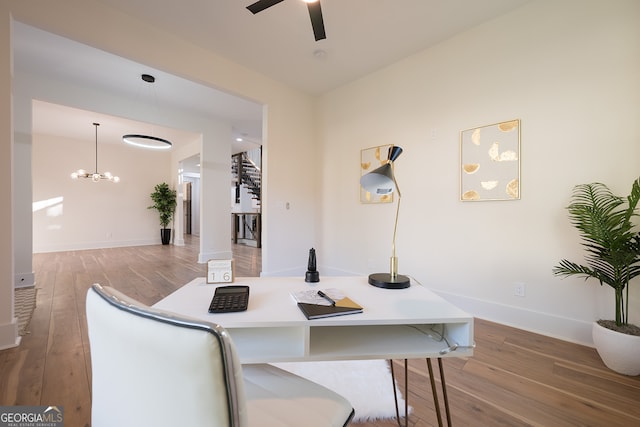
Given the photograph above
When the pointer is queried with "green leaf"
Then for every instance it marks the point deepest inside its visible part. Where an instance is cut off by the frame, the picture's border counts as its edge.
(605, 224)
(164, 201)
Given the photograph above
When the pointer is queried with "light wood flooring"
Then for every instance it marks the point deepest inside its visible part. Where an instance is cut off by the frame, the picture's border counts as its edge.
(515, 378)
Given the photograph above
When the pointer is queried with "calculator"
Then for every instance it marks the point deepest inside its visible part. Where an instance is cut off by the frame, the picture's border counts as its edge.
(230, 298)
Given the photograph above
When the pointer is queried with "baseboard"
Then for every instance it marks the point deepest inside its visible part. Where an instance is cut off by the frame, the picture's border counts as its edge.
(302, 269)
(563, 328)
(94, 245)
(9, 336)
(248, 242)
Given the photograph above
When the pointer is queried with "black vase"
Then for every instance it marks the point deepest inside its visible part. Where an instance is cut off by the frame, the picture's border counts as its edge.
(165, 235)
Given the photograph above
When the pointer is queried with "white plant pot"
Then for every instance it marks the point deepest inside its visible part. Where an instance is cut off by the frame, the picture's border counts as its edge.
(620, 352)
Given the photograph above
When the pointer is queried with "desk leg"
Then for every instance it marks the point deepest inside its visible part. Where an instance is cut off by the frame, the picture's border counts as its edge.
(434, 392)
(406, 393)
(445, 398)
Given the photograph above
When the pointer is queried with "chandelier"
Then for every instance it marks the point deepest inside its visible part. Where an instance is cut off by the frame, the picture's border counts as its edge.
(95, 176)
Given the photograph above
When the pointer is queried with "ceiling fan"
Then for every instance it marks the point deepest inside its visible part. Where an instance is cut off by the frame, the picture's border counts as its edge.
(315, 13)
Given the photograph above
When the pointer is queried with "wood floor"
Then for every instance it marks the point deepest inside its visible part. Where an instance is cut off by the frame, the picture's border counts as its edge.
(515, 378)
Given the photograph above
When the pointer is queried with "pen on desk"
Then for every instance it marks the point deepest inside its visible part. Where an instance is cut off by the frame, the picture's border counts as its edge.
(325, 296)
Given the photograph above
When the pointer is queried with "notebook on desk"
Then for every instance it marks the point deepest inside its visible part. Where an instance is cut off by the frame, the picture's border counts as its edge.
(316, 304)
(315, 311)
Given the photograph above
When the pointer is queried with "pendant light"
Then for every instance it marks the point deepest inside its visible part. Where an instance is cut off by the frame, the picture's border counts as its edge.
(147, 141)
(95, 176)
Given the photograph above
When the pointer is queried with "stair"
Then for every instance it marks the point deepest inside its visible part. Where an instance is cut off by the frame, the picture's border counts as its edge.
(247, 173)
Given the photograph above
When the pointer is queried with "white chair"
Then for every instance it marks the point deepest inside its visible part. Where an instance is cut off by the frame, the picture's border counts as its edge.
(153, 368)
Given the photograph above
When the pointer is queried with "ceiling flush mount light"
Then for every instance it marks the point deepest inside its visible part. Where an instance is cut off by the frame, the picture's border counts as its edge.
(383, 181)
(95, 176)
(320, 53)
(147, 141)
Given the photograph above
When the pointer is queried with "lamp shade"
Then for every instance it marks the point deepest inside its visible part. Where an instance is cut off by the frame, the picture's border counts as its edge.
(379, 181)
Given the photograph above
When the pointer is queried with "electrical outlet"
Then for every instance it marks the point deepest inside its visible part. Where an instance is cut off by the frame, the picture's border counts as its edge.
(519, 289)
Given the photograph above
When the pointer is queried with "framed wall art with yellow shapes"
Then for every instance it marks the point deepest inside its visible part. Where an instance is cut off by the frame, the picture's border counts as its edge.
(490, 162)
(371, 159)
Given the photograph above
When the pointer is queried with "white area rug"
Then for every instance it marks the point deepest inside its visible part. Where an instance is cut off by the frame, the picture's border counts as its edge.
(364, 383)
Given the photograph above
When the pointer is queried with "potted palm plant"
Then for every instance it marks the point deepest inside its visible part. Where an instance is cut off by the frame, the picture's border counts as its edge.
(164, 201)
(612, 244)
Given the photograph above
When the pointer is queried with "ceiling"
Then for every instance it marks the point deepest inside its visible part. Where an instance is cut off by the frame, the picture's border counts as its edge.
(362, 37)
(37, 52)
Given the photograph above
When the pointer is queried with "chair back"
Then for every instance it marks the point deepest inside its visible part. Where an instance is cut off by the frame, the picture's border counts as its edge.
(154, 368)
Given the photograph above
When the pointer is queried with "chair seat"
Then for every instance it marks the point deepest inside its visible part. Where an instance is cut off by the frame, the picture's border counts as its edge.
(278, 398)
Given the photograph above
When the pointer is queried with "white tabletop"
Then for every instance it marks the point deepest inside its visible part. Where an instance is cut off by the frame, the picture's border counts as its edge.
(271, 303)
(273, 318)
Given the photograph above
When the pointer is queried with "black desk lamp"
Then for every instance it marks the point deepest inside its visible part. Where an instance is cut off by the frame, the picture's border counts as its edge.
(382, 181)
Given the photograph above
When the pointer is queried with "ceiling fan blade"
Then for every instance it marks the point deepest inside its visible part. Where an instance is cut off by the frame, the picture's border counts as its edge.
(315, 13)
(261, 5)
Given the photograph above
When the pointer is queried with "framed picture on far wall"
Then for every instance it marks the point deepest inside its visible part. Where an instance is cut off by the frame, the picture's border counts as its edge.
(371, 159)
(490, 162)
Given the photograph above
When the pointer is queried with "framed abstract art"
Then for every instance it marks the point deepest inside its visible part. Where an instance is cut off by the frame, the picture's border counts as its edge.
(490, 162)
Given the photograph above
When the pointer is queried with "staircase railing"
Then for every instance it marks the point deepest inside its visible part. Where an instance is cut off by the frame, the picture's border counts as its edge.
(247, 173)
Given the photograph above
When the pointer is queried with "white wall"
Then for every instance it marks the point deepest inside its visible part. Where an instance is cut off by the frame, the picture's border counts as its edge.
(81, 214)
(569, 70)
(215, 174)
(177, 158)
(210, 136)
(8, 323)
(288, 233)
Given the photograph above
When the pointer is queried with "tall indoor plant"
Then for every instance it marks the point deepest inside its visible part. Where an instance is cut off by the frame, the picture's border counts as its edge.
(164, 201)
(606, 224)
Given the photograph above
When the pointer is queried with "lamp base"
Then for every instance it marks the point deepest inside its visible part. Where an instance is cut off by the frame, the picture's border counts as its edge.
(383, 280)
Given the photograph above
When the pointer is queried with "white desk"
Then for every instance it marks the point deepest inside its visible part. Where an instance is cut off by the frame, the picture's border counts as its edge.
(395, 324)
